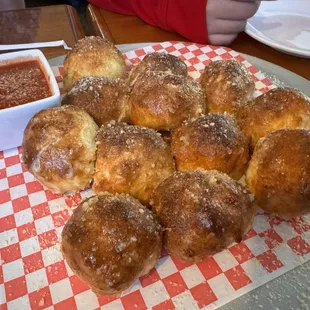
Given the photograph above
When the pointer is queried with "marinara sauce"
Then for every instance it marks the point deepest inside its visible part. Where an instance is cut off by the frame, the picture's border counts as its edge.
(22, 82)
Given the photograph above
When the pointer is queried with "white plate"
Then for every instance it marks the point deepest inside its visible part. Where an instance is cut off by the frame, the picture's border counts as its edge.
(283, 25)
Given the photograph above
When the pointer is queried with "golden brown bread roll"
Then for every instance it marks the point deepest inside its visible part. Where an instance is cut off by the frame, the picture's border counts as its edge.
(202, 212)
(227, 84)
(158, 62)
(132, 160)
(163, 101)
(279, 172)
(93, 56)
(211, 142)
(279, 108)
(104, 98)
(59, 148)
(110, 241)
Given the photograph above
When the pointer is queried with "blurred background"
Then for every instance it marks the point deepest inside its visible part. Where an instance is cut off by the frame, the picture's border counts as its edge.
(75, 3)
(80, 6)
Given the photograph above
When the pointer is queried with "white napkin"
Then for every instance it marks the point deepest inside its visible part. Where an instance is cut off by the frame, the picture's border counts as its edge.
(9, 47)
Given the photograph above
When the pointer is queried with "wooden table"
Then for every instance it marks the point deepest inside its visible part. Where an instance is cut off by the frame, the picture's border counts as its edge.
(131, 29)
(48, 23)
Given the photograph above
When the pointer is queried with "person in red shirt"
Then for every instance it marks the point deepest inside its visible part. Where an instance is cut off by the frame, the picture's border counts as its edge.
(202, 21)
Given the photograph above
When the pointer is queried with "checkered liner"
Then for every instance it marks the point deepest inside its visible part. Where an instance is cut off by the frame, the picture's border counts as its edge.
(33, 273)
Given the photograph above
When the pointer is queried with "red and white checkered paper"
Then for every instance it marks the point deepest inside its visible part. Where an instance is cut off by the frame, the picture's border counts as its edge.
(34, 275)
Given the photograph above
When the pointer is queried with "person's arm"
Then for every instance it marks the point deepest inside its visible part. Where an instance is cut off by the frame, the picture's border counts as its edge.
(186, 17)
(202, 21)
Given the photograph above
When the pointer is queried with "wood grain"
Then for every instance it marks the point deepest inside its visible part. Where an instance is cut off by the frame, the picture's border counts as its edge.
(48, 23)
(122, 29)
(130, 29)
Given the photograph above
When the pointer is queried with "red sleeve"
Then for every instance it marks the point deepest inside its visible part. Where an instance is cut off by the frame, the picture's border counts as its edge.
(186, 17)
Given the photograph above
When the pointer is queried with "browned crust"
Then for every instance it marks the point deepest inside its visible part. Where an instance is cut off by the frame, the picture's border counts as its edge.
(227, 84)
(104, 98)
(93, 56)
(158, 62)
(202, 212)
(131, 159)
(59, 148)
(279, 172)
(110, 241)
(163, 101)
(279, 108)
(211, 142)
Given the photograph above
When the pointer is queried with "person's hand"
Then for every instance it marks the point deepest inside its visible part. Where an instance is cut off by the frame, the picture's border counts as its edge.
(226, 18)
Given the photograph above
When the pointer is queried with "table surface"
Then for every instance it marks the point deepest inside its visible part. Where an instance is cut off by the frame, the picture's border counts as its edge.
(48, 23)
(131, 29)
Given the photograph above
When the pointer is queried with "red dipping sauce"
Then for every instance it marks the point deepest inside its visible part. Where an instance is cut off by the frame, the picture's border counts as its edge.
(22, 82)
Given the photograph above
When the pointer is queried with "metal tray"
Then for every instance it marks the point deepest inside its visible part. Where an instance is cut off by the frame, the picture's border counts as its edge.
(289, 291)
